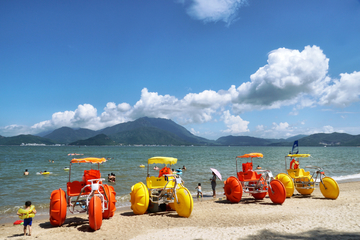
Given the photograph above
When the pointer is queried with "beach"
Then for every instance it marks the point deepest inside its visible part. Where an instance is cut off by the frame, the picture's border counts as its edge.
(300, 217)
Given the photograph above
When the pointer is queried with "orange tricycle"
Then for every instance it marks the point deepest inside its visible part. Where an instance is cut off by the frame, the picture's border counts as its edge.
(256, 182)
(89, 195)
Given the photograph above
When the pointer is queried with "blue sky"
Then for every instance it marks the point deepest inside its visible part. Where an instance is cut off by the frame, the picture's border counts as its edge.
(270, 69)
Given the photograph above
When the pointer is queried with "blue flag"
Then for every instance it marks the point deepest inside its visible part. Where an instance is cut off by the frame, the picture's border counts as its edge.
(295, 148)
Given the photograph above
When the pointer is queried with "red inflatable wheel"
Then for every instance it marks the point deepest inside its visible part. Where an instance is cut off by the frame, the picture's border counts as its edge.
(95, 213)
(58, 207)
(277, 192)
(233, 189)
(110, 192)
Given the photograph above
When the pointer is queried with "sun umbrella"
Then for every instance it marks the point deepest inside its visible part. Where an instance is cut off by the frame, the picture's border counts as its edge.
(216, 173)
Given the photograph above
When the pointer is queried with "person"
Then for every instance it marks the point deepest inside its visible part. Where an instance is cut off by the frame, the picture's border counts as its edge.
(156, 168)
(213, 183)
(258, 167)
(184, 168)
(27, 221)
(199, 192)
(26, 172)
(110, 178)
(113, 177)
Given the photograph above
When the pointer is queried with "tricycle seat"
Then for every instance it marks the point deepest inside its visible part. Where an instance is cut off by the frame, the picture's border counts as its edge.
(248, 176)
(159, 182)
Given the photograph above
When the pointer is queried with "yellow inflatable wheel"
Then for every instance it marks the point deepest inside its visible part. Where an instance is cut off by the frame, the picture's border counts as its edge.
(139, 198)
(185, 203)
(329, 188)
(304, 191)
(288, 183)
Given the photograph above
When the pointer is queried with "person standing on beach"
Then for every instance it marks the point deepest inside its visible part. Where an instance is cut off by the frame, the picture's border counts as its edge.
(213, 184)
(28, 221)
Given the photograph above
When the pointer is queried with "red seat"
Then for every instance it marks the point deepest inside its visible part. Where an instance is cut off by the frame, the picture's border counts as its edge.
(74, 188)
(247, 166)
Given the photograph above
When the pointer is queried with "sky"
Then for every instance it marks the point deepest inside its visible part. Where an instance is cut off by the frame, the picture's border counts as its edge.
(269, 69)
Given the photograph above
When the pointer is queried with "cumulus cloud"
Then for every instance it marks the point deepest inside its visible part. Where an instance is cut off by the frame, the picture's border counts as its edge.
(215, 10)
(235, 124)
(286, 79)
(343, 92)
(290, 77)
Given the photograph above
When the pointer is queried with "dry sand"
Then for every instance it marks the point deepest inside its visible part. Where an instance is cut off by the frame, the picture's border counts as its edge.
(298, 218)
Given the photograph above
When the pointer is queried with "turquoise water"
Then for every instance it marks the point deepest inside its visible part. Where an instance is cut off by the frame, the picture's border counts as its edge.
(338, 162)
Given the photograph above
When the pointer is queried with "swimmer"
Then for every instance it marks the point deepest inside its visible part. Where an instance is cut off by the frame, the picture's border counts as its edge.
(26, 172)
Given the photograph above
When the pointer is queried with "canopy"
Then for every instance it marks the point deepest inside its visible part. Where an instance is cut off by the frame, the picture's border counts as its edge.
(251, 155)
(298, 155)
(88, 160)
(162, 160)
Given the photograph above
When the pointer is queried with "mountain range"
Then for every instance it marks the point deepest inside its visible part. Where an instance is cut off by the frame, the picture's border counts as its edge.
(159, 131)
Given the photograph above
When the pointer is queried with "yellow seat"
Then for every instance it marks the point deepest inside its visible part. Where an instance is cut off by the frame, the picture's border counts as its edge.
(158, 182)
(298, 173)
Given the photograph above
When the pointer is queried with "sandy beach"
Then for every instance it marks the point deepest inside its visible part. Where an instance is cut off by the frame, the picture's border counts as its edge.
(299, 217)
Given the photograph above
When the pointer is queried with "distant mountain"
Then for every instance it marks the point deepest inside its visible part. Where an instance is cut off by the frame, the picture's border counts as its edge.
(18, 140)
(332, 139)
(68, 135)
(294, 138)
(244, 141)
(98, 140)
(160, 123)
(148, 136)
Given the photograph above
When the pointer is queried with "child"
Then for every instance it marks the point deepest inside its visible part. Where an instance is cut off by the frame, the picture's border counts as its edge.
(27, 221)
(199, 192)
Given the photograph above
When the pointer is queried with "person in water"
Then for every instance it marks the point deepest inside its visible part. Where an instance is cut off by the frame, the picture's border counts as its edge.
(213, 184)
(26, 172)
(27, 221)
(184, 168)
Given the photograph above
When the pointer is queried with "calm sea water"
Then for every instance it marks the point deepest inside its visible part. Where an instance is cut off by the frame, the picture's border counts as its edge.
(338, 162)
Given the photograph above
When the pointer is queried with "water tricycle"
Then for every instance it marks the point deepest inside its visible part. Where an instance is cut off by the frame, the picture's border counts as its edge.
(89, 195)
(303, 181)
(256, 182)
(163, 192)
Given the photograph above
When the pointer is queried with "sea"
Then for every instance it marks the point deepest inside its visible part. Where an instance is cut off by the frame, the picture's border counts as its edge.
(341, 163)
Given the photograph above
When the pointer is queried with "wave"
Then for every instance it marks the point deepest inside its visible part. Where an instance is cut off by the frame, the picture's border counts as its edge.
(347, 177)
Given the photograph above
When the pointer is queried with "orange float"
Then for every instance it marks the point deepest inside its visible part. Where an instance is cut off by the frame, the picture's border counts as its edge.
(233, 189)
(57, 207)
(165, 170)
(110, 192)
(95, 213)
(277, 192)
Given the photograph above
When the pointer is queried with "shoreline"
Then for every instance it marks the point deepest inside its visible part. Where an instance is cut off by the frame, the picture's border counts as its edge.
(215, 218)
(9, 219)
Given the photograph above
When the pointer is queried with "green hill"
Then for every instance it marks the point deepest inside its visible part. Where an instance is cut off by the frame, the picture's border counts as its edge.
(18, 140)
(332, 139)
(148, 136)
(68, 135)
(244, 141)
(98, 140)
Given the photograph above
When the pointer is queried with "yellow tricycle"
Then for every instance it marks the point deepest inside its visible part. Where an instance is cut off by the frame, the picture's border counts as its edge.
(163, 192)
(303, 181)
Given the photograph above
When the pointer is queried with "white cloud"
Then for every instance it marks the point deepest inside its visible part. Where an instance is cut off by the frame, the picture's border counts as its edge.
(215, 10)
(281, 127)
(343, 92)
(290, 77)
(235, 124)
